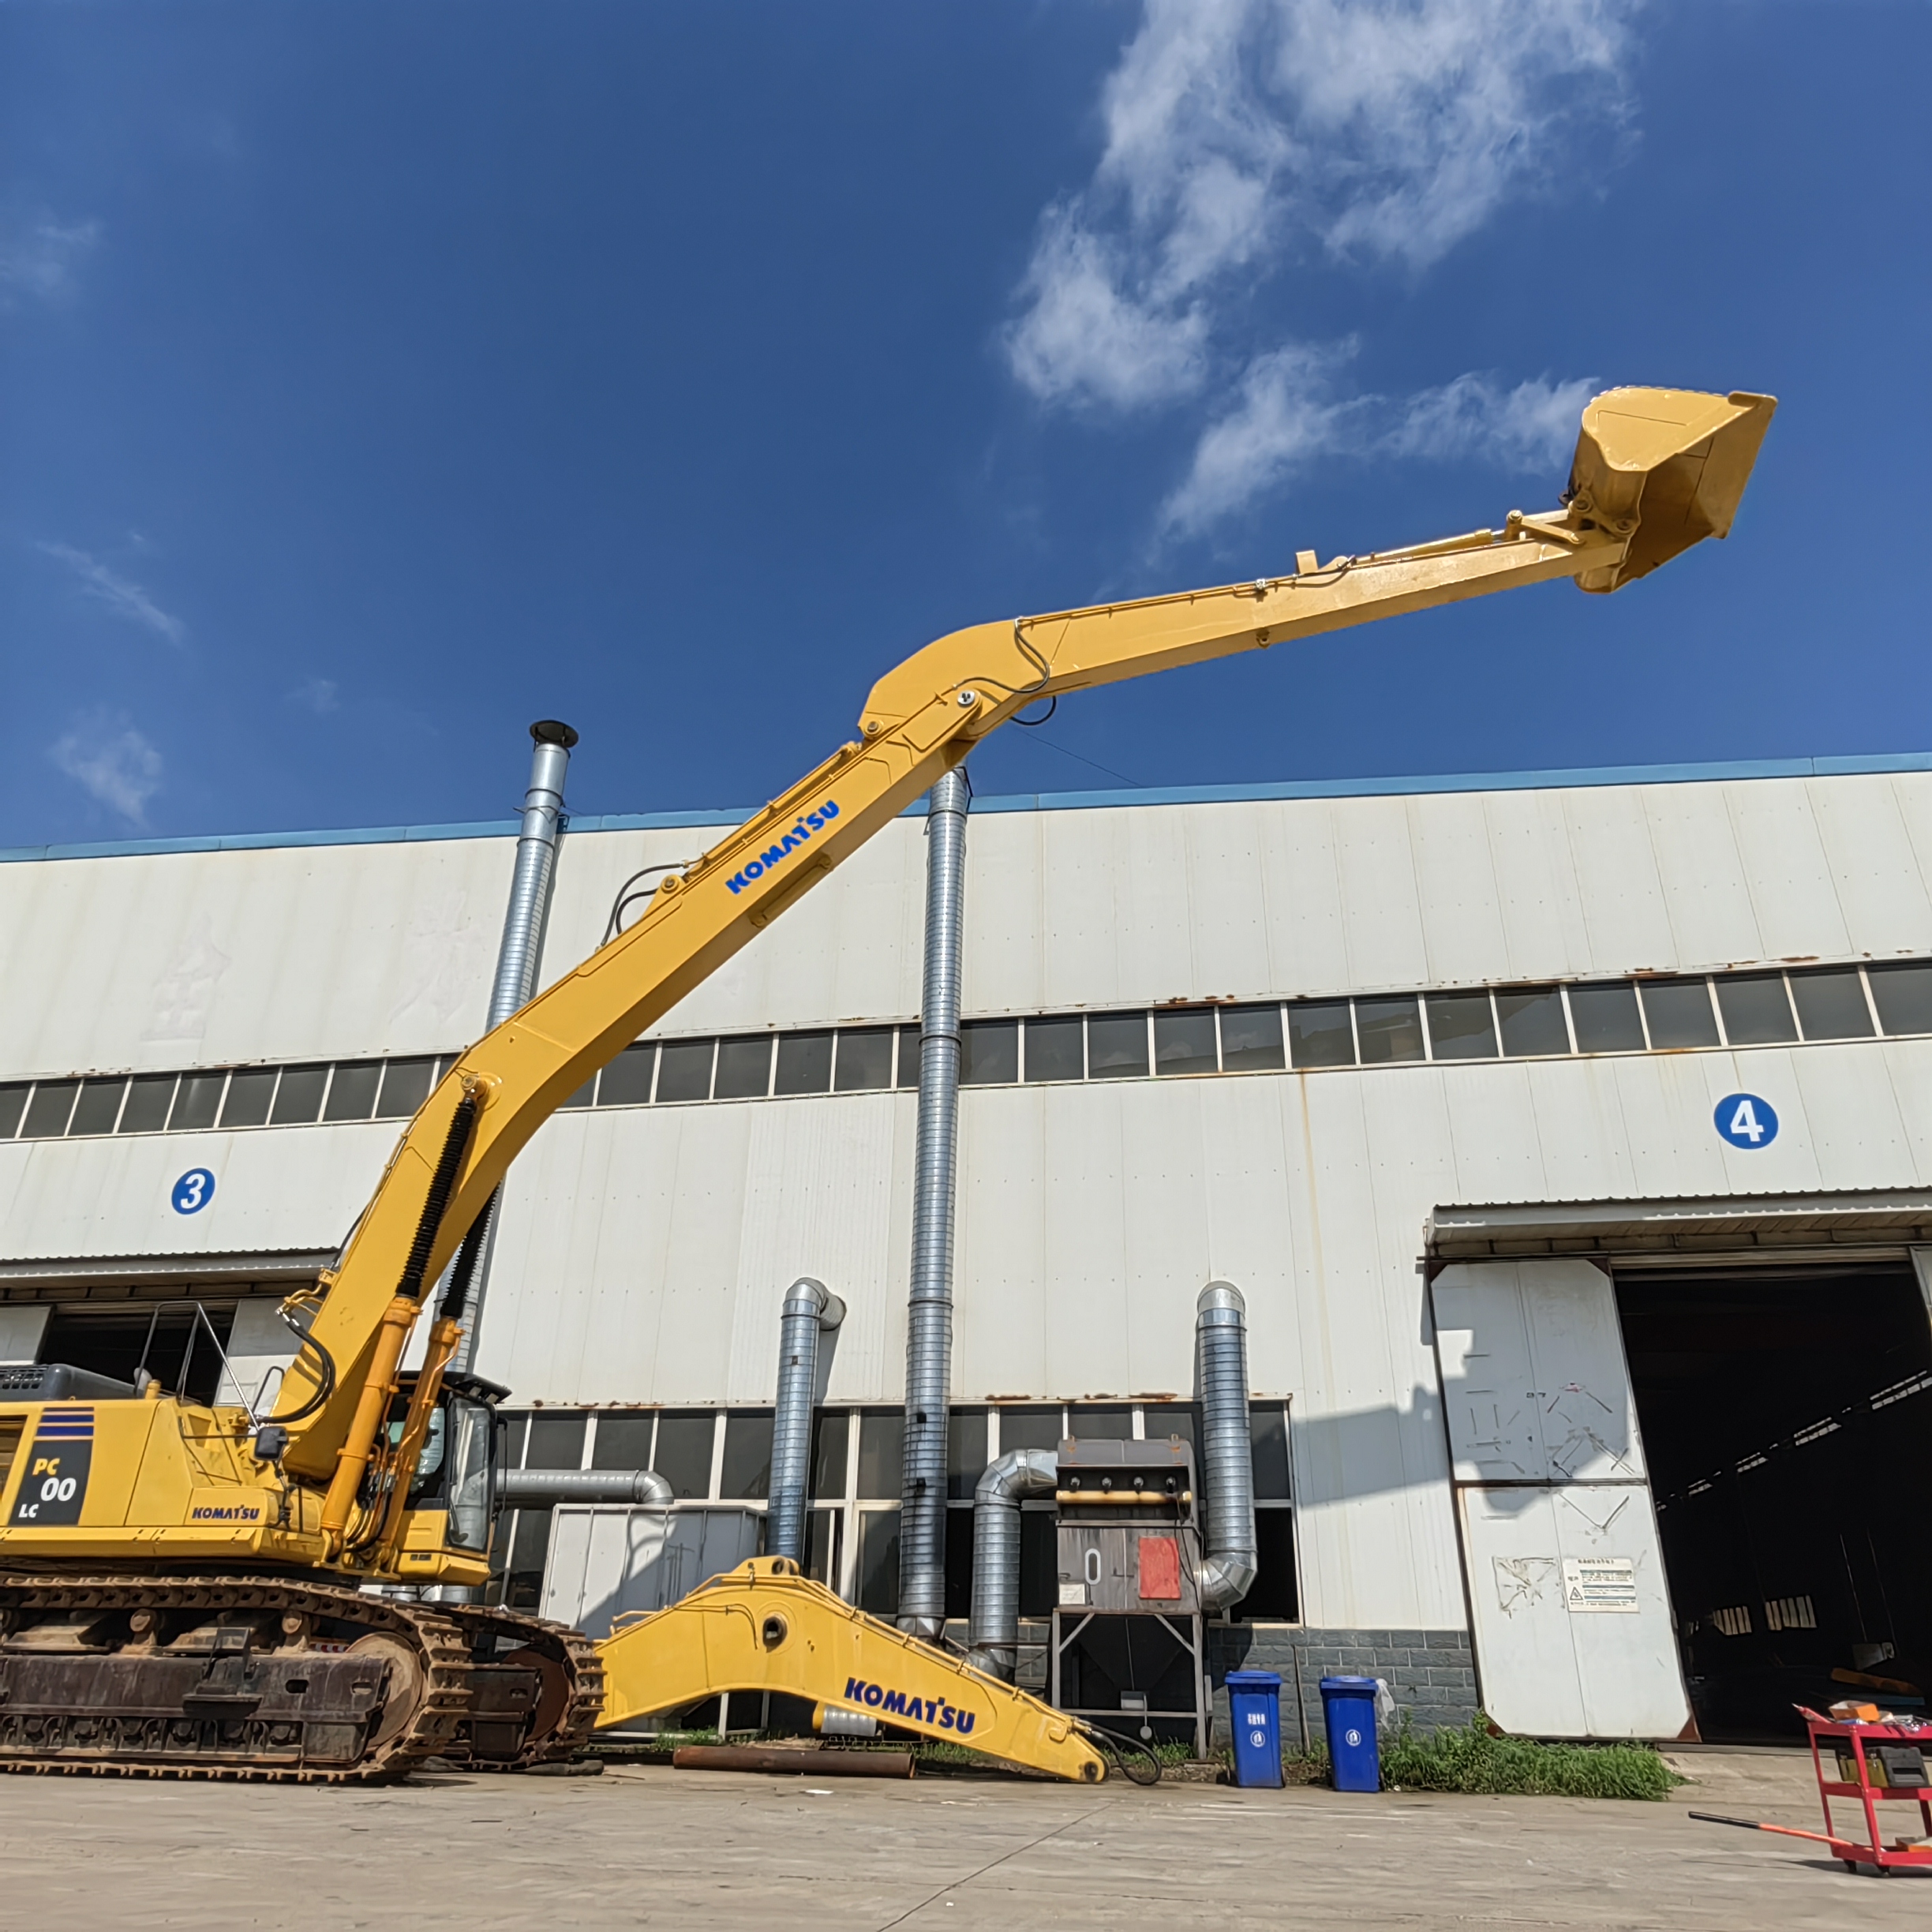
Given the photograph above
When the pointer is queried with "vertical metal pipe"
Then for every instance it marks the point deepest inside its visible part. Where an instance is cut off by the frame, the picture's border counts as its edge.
(929, 1316)
(993, 1638)
(809, 1307)
(1228, 1568)
(520, 951)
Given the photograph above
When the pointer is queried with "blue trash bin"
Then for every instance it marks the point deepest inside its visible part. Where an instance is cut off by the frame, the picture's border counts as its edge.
(1254, 1710)
(1349, 1703)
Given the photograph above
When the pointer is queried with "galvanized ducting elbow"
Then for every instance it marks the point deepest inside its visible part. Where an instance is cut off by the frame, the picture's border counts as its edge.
(809, 1307)
(1227, 1571)
(993, 1635)
(525, 1488)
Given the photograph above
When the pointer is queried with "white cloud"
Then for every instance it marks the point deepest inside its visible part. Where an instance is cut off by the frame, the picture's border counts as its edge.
(1532, 426)
(1386, 130)
(115, 764)
(319, 694)
(123, 597)
(1282, 417)
(39, 256)
(1286, 413)
(1243, 137)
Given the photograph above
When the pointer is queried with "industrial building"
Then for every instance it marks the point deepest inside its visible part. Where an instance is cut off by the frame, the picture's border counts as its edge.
(1568, 1136)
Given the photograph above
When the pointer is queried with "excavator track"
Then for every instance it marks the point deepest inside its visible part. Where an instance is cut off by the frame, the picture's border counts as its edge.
(285, 1682)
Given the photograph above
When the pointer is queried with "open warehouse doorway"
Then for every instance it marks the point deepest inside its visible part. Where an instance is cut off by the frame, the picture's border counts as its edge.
(1784, 1412)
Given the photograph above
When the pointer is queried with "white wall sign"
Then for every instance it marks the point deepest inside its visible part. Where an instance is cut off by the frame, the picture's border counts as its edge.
(1593, 1583)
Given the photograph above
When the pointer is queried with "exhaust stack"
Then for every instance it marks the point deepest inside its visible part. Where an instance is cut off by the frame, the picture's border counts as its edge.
(517, 956)
(929, 1316)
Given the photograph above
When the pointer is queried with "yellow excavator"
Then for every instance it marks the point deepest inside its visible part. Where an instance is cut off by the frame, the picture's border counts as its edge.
(190, 1589)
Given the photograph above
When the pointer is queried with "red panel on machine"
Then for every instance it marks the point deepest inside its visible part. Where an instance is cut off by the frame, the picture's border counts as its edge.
(1160, 1569)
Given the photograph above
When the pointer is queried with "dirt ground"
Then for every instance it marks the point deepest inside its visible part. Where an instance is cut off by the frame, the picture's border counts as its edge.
(652, 1846)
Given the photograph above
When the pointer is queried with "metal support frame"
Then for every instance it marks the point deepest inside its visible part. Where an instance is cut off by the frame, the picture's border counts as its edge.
(1193, 1641)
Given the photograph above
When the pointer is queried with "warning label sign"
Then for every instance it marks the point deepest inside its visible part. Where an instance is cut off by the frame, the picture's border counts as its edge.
(1599, 1584)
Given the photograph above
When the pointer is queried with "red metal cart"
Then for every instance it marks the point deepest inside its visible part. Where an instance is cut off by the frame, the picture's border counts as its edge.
(1885, 1859)
(1830, 1766)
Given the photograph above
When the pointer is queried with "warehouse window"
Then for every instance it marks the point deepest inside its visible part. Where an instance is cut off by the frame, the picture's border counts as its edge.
(1461, 1026)
(299, 1098)
(1532, 1022)
(1250, 1040)
(1321, 1034)
(1678, 1012)
(1902, 995)
(685, 1069)
(98, 1106)
(865, 1059)
(804, 1063)
(1184, 1042)
(1390, 1030)
(1056, 1049)
(626, 1081)
(989, 1053)
(1831, 1004)
(1757, 1009)
(47, 1111)
(1116, 1046)
(1607, 1019)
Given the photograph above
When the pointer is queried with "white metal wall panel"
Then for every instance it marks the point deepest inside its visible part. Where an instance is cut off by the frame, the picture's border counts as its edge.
(1542, 1427)
(1381, 908)
(1545, 1671)
(1713, 920)
(276, 1190)
(1618, 889)
(1456, 887)
(1534, 1386)
(1541, 908)
(1781, 852)
(1879, 877)
(203, 958)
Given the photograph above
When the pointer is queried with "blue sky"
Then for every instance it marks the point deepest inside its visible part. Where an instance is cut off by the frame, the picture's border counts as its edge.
(378, 377)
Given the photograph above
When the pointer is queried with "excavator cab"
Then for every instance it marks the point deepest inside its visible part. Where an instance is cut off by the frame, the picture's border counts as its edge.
(452, 1492)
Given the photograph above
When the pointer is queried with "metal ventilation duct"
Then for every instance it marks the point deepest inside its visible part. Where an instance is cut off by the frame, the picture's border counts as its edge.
(929, 1317)
(1227, 1571)
(539, 1489)
(993, 1639)
(519, 952)
(809, 1308)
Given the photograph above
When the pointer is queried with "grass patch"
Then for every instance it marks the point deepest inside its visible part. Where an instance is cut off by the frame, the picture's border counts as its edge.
(1472, 1760)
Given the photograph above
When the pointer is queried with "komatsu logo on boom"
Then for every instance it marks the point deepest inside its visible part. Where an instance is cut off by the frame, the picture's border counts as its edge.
(901, 1704)
(775, 855)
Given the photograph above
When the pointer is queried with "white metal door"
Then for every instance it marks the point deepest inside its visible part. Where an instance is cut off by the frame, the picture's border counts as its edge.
(1573, 1628)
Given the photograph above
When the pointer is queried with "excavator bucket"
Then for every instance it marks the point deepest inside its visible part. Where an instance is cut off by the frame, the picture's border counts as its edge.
(1668, 466)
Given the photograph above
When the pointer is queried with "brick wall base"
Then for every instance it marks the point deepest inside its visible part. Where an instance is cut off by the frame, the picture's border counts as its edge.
(1431, 1674)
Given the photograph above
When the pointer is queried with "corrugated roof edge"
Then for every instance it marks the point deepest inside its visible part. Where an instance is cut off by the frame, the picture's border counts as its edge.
(1041, 801)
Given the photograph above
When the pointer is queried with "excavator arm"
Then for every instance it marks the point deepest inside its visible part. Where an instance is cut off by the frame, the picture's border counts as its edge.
(1655, 471)
(763, 1627)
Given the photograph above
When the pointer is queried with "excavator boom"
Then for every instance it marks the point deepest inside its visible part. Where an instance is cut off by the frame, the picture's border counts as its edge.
(1656, 470)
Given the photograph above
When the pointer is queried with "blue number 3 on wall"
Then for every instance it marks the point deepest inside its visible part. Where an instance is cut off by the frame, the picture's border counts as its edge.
(192, 1192)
